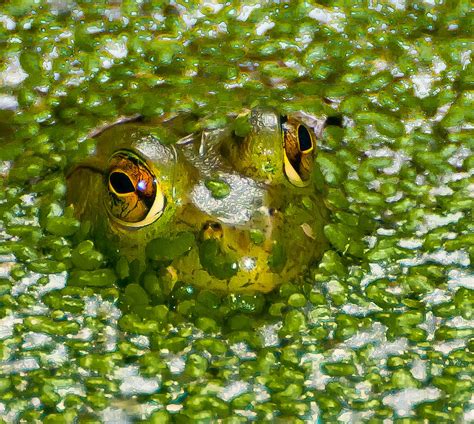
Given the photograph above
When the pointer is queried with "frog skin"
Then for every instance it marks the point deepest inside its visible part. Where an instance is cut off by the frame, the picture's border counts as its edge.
(218, 211)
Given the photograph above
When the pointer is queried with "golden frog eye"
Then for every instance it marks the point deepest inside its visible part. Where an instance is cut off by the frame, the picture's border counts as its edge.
(299, 151)
(134, 195)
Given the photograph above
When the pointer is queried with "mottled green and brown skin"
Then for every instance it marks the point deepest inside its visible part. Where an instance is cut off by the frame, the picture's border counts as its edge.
(232, 214)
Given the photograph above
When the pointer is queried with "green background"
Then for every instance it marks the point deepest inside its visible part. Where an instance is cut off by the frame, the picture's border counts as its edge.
(380, 328)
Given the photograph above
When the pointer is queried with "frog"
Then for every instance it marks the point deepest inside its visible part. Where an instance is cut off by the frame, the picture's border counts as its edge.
(218, 209)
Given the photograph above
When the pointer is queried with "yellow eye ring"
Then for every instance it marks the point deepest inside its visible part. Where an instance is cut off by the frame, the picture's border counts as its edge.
(298, 152)
(291, 173)
(135, 198)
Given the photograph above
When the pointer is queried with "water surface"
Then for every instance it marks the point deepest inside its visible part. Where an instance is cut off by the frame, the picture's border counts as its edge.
(381, 327)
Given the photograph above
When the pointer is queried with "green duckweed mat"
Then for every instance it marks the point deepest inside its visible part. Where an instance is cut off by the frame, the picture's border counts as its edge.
(380, 331)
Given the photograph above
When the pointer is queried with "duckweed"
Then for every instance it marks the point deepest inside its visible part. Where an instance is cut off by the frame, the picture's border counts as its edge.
(215, 261)
(96, 278)
(85, 257)
(380, 329)
(51, 326)
(219, 189)
(165, 249)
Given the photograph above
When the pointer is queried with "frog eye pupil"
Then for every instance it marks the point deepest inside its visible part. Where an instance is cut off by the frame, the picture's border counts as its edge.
(304, 139)
(121, 183)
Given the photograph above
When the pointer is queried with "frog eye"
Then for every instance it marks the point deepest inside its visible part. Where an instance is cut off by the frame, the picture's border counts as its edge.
(134, 195)
(299, 151)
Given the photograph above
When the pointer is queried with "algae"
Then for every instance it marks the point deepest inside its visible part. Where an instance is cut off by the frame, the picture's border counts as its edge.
(380, 329)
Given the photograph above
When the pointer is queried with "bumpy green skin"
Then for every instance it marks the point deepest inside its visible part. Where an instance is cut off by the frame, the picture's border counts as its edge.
(267, 238)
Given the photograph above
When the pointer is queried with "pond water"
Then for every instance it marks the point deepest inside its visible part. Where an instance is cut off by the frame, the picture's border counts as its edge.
(380, 330)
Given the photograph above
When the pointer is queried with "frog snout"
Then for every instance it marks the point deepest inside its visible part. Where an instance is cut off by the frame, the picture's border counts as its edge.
(212, 230)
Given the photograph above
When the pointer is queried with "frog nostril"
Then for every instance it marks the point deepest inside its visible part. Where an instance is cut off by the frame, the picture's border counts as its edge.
(121, 183)
(216, 226)
(212, 230)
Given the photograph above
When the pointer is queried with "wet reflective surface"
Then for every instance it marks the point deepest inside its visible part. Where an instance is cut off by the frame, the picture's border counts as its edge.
(379, 328)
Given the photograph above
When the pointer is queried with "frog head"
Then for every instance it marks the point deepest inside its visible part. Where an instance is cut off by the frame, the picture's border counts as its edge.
(224, 212)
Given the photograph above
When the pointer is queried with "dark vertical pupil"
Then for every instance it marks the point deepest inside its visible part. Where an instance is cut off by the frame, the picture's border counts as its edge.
(121, 183)
(304, 139)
